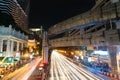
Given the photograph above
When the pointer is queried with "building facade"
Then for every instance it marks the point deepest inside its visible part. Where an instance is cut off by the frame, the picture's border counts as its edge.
(11, 41)
(13, 37)
(13, 8)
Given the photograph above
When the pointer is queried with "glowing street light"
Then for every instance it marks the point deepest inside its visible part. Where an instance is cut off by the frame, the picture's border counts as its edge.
(35, 29)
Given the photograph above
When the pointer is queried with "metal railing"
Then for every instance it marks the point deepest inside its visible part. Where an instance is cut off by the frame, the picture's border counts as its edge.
(10, 31)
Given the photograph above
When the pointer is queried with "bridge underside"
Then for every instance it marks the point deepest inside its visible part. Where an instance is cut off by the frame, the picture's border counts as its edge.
(100, 26)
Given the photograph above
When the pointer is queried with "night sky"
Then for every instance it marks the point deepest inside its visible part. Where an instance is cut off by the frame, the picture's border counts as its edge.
(50, 12)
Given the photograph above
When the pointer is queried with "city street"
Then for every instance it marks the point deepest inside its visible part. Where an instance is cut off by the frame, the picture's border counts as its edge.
(63, 69)
(59, 39)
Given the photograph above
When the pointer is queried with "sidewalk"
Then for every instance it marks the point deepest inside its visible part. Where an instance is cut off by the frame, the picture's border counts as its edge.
(35, 75)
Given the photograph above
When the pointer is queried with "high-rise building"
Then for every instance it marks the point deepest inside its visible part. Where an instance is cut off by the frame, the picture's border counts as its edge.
(18, 9)
(13, 27)
(25, 4)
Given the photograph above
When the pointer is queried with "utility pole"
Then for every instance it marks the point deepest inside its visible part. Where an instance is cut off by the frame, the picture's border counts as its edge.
(41, 42)
(43, 47)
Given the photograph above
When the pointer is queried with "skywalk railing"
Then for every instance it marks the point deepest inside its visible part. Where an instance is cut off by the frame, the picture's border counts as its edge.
(110, 37)
(10, 31)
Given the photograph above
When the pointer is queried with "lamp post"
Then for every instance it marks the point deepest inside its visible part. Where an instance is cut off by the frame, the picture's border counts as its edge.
(44, 45)
(41, 41)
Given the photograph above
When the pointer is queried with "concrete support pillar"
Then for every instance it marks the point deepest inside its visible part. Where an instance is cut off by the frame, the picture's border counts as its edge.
(45, 48)
(118, 58)
(1, 45)
(18, 46)
(25, 44)
(114, 50)
(45, 51)
(12, 46)
(8, 49)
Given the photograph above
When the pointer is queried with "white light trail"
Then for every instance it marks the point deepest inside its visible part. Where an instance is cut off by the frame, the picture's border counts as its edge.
(24, 72)
(63, 69)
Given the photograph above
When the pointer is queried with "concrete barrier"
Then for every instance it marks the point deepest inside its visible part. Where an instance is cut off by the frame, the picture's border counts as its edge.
(116, 76)
(119, 76)
(105, 73)
(108, 74)
(101, 72)
(111, 75)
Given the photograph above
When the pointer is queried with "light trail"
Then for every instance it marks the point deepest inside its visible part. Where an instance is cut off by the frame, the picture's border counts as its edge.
(72, 71)
(63, 69)
(52, 68)
(55, 71)
(24, 72)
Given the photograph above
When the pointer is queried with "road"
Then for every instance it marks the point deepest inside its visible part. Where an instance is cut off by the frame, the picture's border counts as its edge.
(63, 69)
